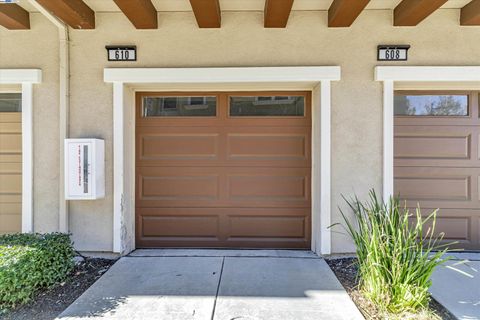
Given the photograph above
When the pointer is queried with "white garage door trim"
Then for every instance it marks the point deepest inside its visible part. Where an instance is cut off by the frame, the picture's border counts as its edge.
(436, 76)
(26, 78)
(127, 80)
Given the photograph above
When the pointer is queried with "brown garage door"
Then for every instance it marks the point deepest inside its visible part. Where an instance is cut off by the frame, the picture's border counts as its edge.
(10, 163)
(223, 170)
(437, 159)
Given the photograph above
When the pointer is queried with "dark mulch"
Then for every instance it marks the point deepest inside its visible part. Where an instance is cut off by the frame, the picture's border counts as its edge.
(49, 303)
(346, 271)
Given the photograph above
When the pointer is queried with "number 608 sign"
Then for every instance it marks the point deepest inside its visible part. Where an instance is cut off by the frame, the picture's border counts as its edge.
(393, 53)
(122, 53)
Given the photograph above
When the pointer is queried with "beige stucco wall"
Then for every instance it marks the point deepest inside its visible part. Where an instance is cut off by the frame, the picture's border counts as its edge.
(242, 41)
(38, 48)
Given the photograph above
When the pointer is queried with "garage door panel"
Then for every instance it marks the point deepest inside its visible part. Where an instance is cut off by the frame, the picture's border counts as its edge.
(436, 146)
(11, 167)
(12, 127)
(10, 158)
(224, 146)
(429, 147)
(165, 188)
(291, 227)
(176, 147)
(458, 225)
(169, 224)
(178, 186)
(10, 223)
(11, 183)
(438, 187)
(268, 147)
(11, 143)
(434, 188)
(11, 208)
(254, 187)
(223, 187)
(223, 227)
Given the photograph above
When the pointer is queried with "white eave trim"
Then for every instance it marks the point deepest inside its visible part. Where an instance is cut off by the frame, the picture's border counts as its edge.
(431, 74)
(18, 76)
(222, 75)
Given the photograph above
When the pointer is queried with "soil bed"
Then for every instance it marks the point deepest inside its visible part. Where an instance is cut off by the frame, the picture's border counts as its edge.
(346, 271)
(49, 303)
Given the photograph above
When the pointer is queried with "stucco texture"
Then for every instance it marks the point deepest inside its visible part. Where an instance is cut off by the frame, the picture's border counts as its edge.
(38, 48)
(242, 41)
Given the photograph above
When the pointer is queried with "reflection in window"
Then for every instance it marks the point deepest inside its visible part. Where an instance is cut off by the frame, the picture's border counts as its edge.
(267, 106)
(179, 106)
(431, 105)
(10, 102)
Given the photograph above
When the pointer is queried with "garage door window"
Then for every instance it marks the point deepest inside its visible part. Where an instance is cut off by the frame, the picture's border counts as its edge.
(193, 106)
(267, 106)
(431, 105)
(10, 102)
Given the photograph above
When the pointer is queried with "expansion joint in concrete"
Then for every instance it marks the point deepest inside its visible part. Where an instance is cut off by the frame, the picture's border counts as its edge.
(218, 288)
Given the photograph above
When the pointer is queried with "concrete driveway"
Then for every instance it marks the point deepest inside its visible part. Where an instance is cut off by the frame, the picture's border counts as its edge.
(457, 285)
(216, 284)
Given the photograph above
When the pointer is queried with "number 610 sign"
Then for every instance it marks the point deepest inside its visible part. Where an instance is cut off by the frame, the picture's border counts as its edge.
(122, 53)
(393, 52)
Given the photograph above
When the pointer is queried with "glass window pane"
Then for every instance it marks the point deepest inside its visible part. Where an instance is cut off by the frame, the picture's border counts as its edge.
(267, 106)
(10, 102)
(431, 105)
(179, 106)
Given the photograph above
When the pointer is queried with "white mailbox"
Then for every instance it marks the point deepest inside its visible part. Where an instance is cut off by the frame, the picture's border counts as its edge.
(84, 169)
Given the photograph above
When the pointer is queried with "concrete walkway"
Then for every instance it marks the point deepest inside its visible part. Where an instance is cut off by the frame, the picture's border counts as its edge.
(216, 284)
(457, 286)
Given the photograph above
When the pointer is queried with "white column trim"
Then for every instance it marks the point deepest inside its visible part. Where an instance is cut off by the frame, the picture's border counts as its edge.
(316, 185)
(119, 164)
(413, 75)
(388, 137)
(325, 176)
(26, 78)
(27, 157)
(314, 78)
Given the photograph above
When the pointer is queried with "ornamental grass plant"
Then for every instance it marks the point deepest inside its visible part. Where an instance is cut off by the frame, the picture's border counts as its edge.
(397, 252)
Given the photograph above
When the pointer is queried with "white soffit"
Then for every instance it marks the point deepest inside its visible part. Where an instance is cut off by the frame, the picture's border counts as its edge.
(245, 5)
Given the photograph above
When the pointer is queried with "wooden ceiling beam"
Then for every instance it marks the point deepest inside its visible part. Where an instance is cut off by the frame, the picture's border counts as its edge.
(342, 13)
(207, 13)
(75, 13)
(276, 13)
(412, 12)
(141, 13)
(14, 17)
(470, 14)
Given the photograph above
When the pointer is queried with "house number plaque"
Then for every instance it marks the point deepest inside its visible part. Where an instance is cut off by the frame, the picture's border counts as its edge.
(122, 53)
(393, 52)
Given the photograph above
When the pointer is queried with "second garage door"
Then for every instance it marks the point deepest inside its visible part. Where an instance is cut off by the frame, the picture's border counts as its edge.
(437, 160)
(223, 170)
(10, 162)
